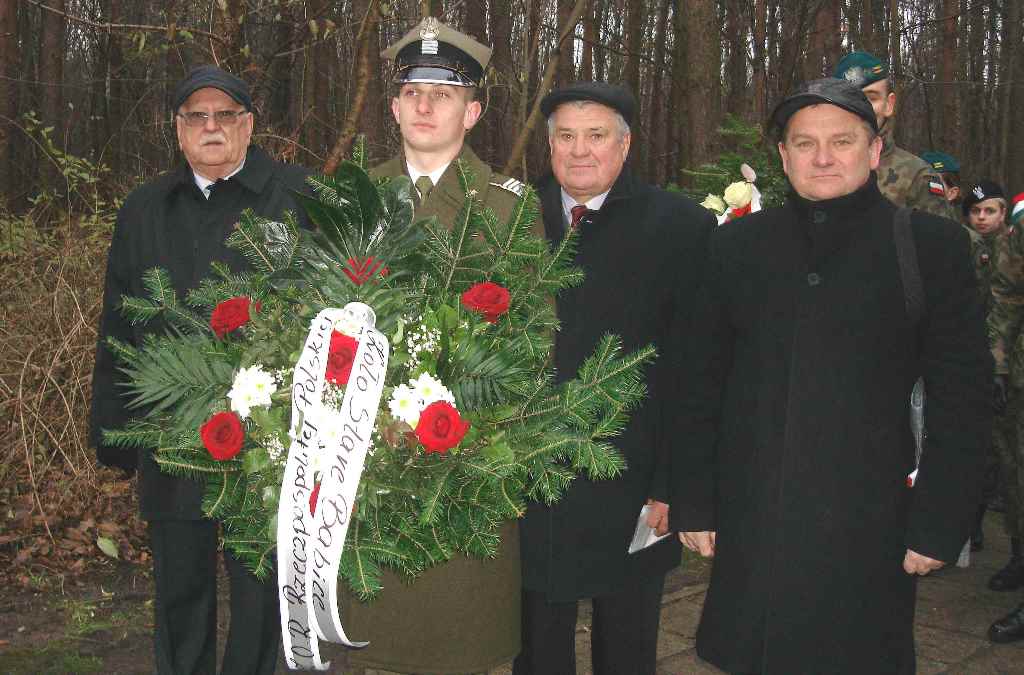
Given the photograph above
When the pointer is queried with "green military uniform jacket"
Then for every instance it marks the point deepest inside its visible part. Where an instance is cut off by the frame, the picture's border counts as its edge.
(462, 616)
(905, 178)
(499, 193)
(1007, 313)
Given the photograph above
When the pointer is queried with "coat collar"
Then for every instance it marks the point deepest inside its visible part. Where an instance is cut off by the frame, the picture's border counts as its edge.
(828, 224)
(254, 175)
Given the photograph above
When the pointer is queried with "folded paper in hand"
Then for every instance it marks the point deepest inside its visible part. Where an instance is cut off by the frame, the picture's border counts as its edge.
(644, 535)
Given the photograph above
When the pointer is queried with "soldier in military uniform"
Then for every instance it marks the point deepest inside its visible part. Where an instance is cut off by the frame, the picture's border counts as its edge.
(462, 616)
(948, 168)
(1004, 326)
(984, 210)
(904, 178)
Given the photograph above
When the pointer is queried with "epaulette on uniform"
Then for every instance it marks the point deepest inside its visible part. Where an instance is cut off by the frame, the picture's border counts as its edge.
(512, 185)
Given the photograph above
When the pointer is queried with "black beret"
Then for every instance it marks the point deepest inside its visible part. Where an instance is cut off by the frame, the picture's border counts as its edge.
(837, 92)
(612, 95)
(985, 189)
(212, 76)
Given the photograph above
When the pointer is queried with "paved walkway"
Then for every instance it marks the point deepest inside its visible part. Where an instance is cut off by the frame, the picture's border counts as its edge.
(954, 610)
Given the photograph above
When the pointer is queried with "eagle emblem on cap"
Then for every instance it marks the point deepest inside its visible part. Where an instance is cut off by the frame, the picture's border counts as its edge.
(978, 192)
(854, 75)
(428, 35)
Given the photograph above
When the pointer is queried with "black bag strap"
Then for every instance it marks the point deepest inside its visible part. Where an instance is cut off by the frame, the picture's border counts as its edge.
(910, 273)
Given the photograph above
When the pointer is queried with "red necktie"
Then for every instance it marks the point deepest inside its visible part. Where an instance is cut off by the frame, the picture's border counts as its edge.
(578, 212)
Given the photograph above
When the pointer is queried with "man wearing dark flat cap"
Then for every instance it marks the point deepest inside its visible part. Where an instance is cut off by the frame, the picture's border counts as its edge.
(814, 321)
(179, 221)
(641, 249)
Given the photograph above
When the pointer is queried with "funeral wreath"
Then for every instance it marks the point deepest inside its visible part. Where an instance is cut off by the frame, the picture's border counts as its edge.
(374, 392)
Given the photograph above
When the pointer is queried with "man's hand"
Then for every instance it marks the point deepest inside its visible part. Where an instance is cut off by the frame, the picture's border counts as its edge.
(657, 516)
(915, 563)
(701, 542)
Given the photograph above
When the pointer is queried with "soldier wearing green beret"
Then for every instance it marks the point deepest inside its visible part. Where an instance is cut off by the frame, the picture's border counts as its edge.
(904, 178)
(948, 168)
(462, 616)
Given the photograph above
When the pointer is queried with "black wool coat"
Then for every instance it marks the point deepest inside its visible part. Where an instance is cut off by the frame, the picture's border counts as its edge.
(168, 223)
(798, 444)
(642, 253)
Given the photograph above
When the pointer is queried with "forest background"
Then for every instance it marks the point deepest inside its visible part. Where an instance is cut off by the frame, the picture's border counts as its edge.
(84, 86)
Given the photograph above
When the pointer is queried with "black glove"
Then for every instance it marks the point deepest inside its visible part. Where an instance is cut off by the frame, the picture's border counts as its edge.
(1000, 389)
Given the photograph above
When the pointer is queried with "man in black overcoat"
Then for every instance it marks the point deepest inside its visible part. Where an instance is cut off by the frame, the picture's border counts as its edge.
(796, 440)
(641, 249)
(179, 222)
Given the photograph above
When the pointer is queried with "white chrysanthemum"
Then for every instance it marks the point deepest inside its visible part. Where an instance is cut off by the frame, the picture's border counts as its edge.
(429, 389)
(252, 387)
(403, 405)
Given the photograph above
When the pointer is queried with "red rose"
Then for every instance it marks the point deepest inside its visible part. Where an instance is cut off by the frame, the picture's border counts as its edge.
(312, 499)
(488, 298)
(340, 356)
(223, 435)
(440, 427)
(230, 314)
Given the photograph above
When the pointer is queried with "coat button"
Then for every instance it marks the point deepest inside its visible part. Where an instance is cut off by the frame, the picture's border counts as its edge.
(813, 279)
(819, 217)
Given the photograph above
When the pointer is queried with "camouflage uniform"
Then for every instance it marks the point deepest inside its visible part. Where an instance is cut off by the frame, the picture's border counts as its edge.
(983, 251)
(906, 180)
(1007, 340)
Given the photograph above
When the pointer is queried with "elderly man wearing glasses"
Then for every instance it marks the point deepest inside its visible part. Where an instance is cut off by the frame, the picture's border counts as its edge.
(179, 221)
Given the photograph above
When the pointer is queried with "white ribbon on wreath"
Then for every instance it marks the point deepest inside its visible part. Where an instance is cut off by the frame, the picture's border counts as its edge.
(309, 546)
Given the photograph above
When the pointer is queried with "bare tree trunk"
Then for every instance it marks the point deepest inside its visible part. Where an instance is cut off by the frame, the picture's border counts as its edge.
(564, 42)
(947, 89)
(1008, 72)
(51, 65)
(658, 138)
(815, 59)
(228, 18)
(679, 145)
(600, 55)
(760, 61)
(375, 111)
(736, 68)
(9, 49)
(367, 31)
(867, 26)
(895, 46)
(793, 29)
(634, 45)
(566, 72)
(703, 59)
(590, 37)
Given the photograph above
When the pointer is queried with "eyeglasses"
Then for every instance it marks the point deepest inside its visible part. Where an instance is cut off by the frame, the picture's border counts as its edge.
(223, 118)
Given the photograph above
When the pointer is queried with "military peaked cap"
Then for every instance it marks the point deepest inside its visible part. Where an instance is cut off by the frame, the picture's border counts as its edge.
(941, 162)
(434, 53)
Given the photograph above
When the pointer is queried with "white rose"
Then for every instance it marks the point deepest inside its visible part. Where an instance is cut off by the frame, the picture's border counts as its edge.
(738, 194)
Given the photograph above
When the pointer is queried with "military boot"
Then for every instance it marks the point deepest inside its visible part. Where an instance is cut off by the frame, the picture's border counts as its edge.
(1012, 576)
(1010, 628)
